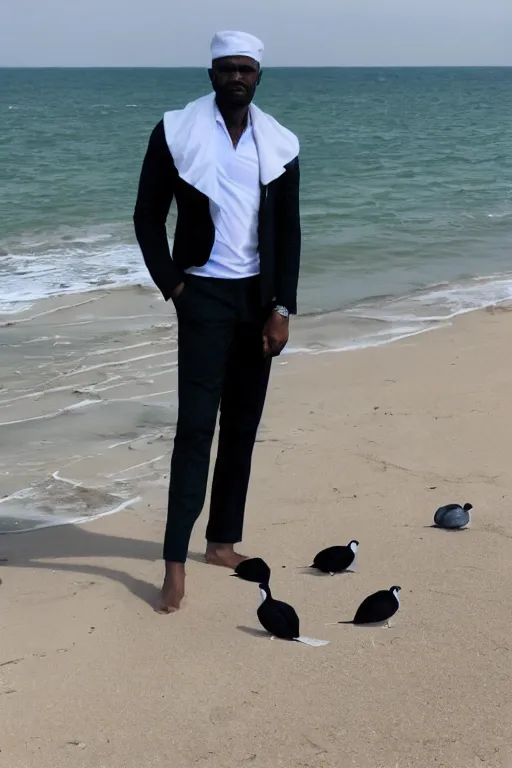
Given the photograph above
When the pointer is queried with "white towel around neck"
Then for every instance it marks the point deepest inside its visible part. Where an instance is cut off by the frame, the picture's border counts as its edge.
(190, 136)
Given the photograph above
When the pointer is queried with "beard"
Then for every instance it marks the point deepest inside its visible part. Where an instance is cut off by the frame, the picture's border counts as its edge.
(234, 95)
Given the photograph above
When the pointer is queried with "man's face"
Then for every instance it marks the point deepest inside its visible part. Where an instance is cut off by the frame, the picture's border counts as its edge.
(234, 80)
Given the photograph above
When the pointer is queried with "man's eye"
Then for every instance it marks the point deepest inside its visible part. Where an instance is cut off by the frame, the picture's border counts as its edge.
(227, 69)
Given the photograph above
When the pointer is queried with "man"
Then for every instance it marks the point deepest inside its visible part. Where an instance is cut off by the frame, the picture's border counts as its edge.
(233, 274)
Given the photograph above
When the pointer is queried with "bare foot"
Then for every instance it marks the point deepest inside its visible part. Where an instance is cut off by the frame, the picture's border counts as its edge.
(223, 555)
(173, 588)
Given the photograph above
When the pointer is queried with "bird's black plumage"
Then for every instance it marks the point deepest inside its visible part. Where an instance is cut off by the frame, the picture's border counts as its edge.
(255, 569)
(336, 559)
(377, 608)
(278, 618)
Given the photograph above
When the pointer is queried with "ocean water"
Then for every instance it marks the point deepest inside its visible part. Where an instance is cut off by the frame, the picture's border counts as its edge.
(407, 221)
(406, 186)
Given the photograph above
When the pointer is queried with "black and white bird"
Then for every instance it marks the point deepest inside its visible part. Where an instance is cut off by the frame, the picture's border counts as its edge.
(336, 559)
(281, 620)
(377, 608)
(453, 516)
(254, 569)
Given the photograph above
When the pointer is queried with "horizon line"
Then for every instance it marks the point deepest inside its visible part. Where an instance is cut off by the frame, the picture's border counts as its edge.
(277, 66)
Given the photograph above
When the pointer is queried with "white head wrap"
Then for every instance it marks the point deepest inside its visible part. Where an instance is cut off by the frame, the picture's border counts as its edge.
(232, 43)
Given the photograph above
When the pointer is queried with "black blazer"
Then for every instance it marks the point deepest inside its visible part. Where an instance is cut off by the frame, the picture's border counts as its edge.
(279, 226)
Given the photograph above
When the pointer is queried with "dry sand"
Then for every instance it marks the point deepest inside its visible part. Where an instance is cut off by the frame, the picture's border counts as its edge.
(358, 445)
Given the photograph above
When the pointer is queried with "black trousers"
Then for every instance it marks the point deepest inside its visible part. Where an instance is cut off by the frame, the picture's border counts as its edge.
(220, 362)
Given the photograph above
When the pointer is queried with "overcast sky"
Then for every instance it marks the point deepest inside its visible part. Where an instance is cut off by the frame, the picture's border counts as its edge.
(329, 32)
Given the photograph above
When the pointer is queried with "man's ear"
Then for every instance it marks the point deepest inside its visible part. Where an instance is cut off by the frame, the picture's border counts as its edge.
(210, 75)
(258, 81)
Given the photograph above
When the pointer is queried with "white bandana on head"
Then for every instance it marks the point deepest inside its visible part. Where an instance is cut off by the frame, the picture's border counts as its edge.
(232, 43)
(190, 132)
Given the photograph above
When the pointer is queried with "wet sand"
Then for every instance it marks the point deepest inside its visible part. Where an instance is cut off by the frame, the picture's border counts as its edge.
(358, 445)
(87, 404)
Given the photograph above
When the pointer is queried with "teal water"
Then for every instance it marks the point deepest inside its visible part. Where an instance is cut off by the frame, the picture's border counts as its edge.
(406, 193)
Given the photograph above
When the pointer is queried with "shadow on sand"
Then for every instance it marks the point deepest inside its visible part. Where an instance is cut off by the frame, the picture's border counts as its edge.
(253, 632)
(28, 550)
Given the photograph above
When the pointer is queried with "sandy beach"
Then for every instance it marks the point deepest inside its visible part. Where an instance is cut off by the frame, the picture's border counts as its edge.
(364, 444)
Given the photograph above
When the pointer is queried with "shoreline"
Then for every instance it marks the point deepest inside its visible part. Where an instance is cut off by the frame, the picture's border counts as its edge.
(88, 399)
(362, 446)
(82, 380)
(359, 324)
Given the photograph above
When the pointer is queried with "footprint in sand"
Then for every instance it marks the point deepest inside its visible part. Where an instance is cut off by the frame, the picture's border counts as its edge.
(220, 715)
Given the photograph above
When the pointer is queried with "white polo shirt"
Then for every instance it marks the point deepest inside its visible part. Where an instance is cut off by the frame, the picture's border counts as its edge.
(235, 250)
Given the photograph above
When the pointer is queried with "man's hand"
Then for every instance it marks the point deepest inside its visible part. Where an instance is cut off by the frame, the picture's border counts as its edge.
(275, 335)
(177, 291)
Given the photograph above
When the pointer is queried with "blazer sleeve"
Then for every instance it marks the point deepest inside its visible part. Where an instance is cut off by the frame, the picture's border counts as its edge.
(288, 237)
(154, 198)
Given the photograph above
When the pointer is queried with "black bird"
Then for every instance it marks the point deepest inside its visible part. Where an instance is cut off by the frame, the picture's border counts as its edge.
(281, 620)
(336, 559)
(255, 569)
(453, 516)
(377, 608)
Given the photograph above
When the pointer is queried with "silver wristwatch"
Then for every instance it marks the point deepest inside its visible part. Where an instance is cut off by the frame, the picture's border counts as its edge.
(281, 311)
